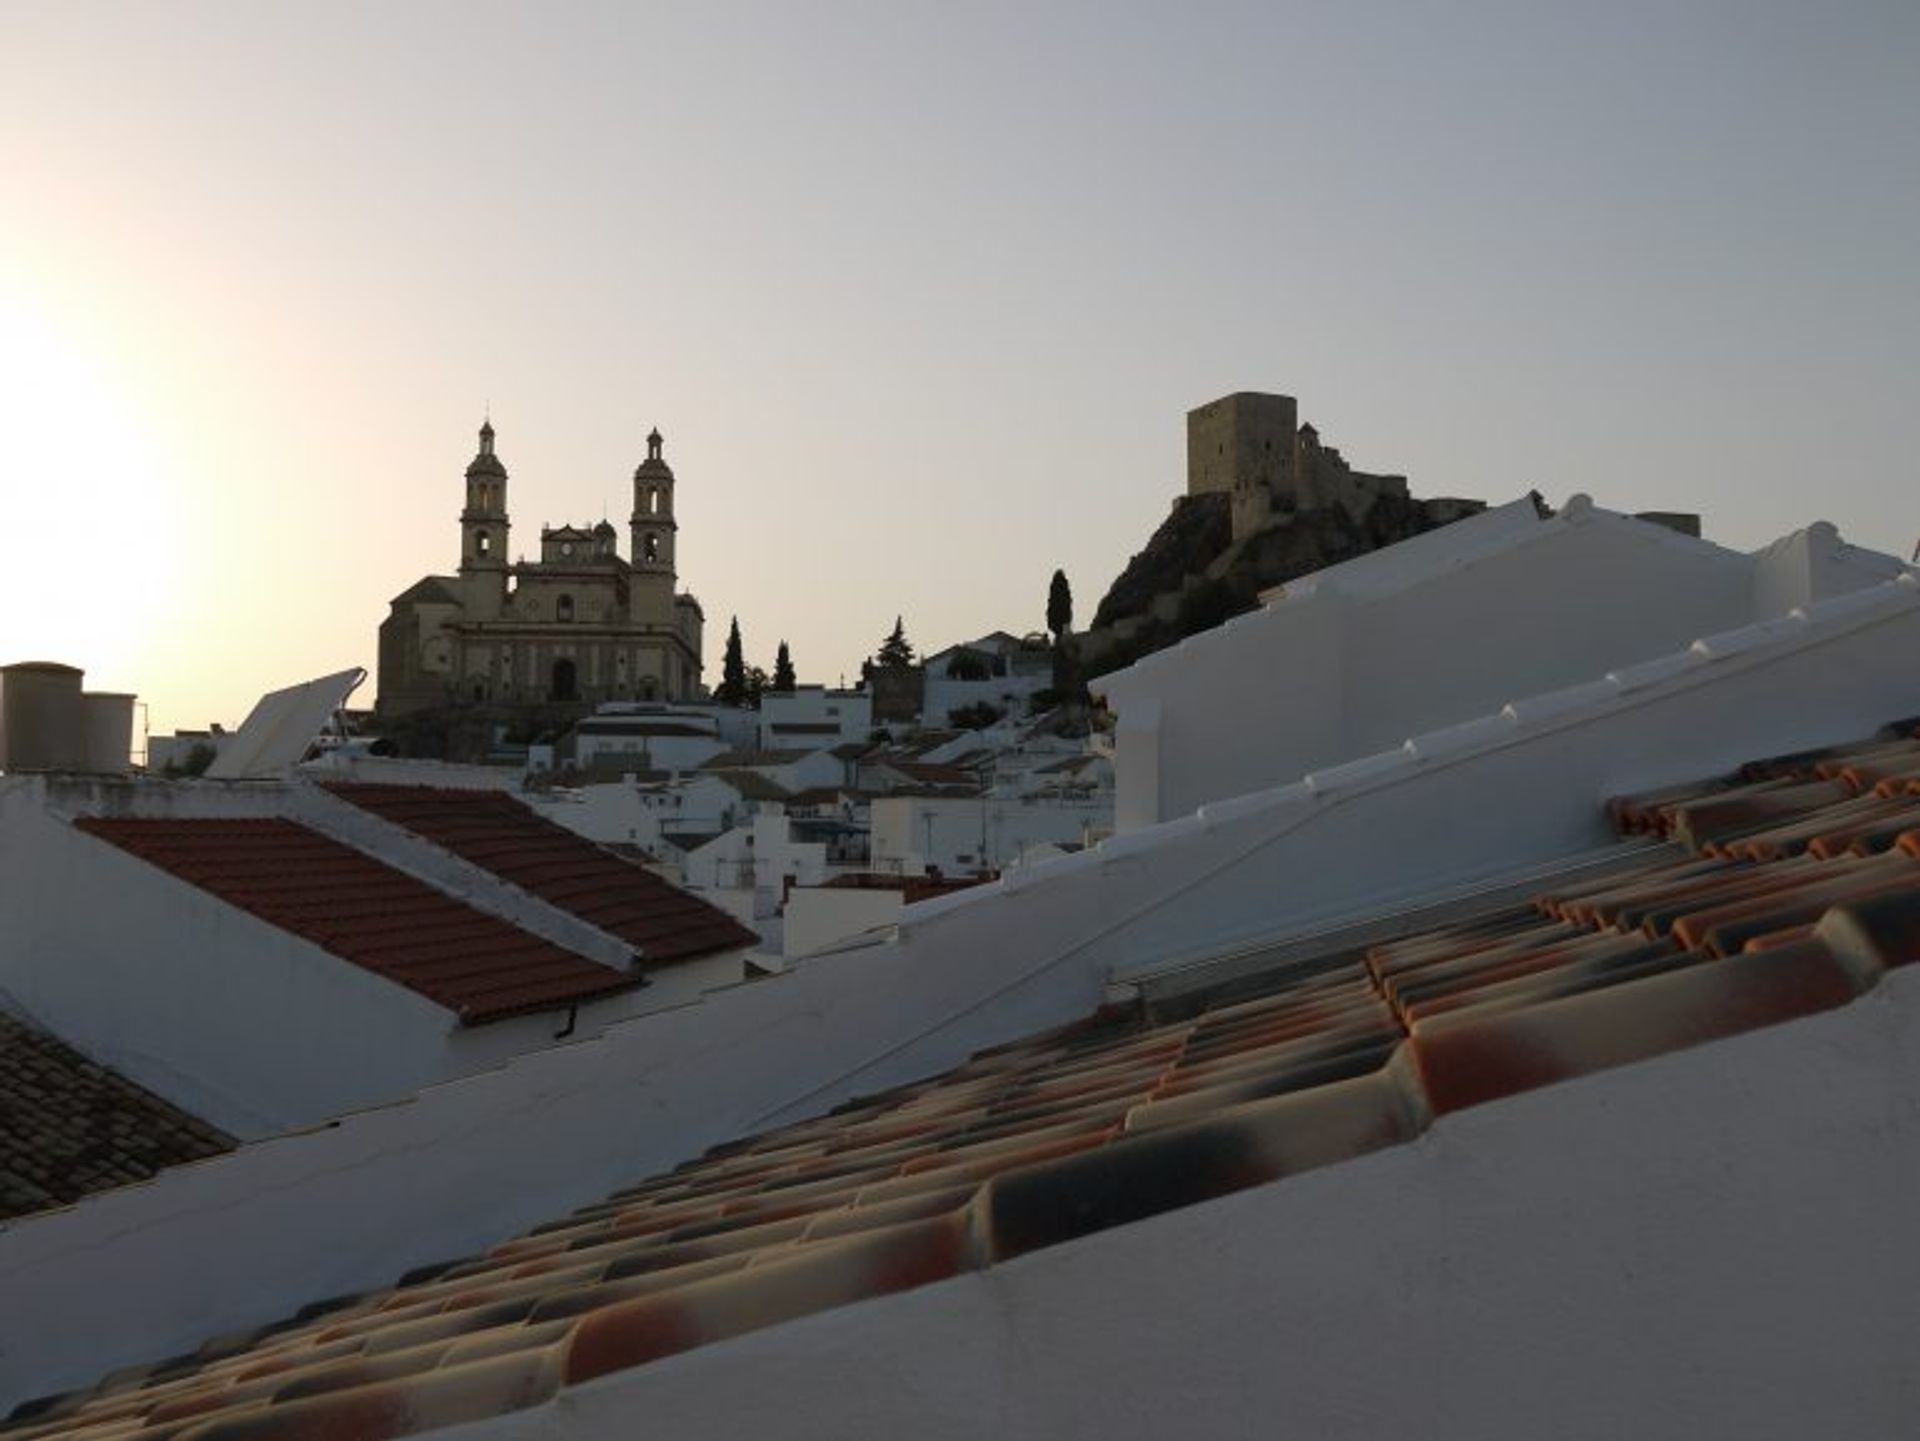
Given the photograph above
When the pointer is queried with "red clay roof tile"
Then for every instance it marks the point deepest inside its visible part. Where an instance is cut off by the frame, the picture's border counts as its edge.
(476, 965)
(494, 831)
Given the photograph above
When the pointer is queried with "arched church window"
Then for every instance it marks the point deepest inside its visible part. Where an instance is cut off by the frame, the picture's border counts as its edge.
(652, 547)
(564, 680)
(563, 608)
(483, 544)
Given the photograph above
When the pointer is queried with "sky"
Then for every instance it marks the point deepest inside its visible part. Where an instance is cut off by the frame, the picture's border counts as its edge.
(918, 294)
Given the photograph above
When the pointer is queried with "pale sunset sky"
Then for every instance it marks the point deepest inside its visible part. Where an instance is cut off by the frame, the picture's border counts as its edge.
(918, 294)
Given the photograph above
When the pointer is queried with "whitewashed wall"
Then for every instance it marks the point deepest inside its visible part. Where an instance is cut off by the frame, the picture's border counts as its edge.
(246, 1025)
(244, 1239)
(631, 814)
(1433, 631)
(647, 752)
(818, 916)
(850, 711)
(968, 833)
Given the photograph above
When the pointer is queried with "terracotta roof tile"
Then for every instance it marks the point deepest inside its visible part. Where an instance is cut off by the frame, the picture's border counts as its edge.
(69, 1126)
(1112, 1120)
(477, 965)
(498, 833)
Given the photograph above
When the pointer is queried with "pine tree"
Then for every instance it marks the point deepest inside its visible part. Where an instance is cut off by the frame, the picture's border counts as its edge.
(1059, 606)
(896, 651)
(783, 679)
(733, 670)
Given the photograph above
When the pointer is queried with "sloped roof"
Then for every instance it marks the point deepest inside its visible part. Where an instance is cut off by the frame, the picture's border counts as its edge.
(500, 834)
(778, 756)
(927, 773)
(477, 965)
(751, 785)
(1787, 890)
(69, 1126)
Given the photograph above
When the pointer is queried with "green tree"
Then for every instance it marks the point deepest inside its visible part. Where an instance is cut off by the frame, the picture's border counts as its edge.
(756, 686)
(733, 670)
(783, 679)
(1059, 605)
(896, 651)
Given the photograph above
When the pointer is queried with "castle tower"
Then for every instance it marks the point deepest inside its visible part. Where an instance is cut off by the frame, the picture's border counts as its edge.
(652, 527)
(1244, 446)
(483, 530)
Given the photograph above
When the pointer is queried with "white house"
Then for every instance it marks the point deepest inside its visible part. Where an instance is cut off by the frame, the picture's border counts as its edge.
(638, 737)
(798, 769)
(814, 717)
(650, 814)
(1452, 624)
(997, 670)
(272, 952)
(966, 835)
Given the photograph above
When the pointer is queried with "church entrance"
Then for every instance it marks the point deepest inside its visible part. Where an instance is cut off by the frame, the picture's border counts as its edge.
(564, 684)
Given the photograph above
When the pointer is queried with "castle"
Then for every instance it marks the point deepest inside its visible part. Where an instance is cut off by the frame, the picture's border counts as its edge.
(578, 626)
(1251, 447)
(1265, 502)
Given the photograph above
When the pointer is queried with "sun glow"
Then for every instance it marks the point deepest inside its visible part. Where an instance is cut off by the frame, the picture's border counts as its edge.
(87, 524)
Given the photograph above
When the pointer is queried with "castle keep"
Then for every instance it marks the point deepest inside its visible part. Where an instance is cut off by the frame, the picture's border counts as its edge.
(1252, 448)
(579, 625)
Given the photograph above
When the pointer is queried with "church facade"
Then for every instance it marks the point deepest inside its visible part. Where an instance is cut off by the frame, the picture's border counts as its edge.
(580, 625)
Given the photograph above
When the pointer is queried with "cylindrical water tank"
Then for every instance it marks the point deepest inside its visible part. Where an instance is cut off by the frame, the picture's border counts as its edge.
(107, 730)
(41, 728)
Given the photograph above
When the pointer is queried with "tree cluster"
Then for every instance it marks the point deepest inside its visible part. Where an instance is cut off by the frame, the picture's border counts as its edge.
(742, 684)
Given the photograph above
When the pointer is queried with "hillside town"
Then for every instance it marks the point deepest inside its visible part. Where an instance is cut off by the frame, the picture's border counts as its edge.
(1376, 893)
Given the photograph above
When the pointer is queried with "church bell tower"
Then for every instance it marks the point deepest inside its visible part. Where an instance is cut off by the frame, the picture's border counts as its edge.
(652, 528)
(483, 530)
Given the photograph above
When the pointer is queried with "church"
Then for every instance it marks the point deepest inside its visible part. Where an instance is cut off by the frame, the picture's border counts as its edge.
(580, 625)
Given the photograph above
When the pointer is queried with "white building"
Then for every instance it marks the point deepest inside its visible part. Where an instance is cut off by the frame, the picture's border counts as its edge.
(274, 953)
(999, 670)
(814, 717)
(647, 738)
(652, 815)
(968, 835)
